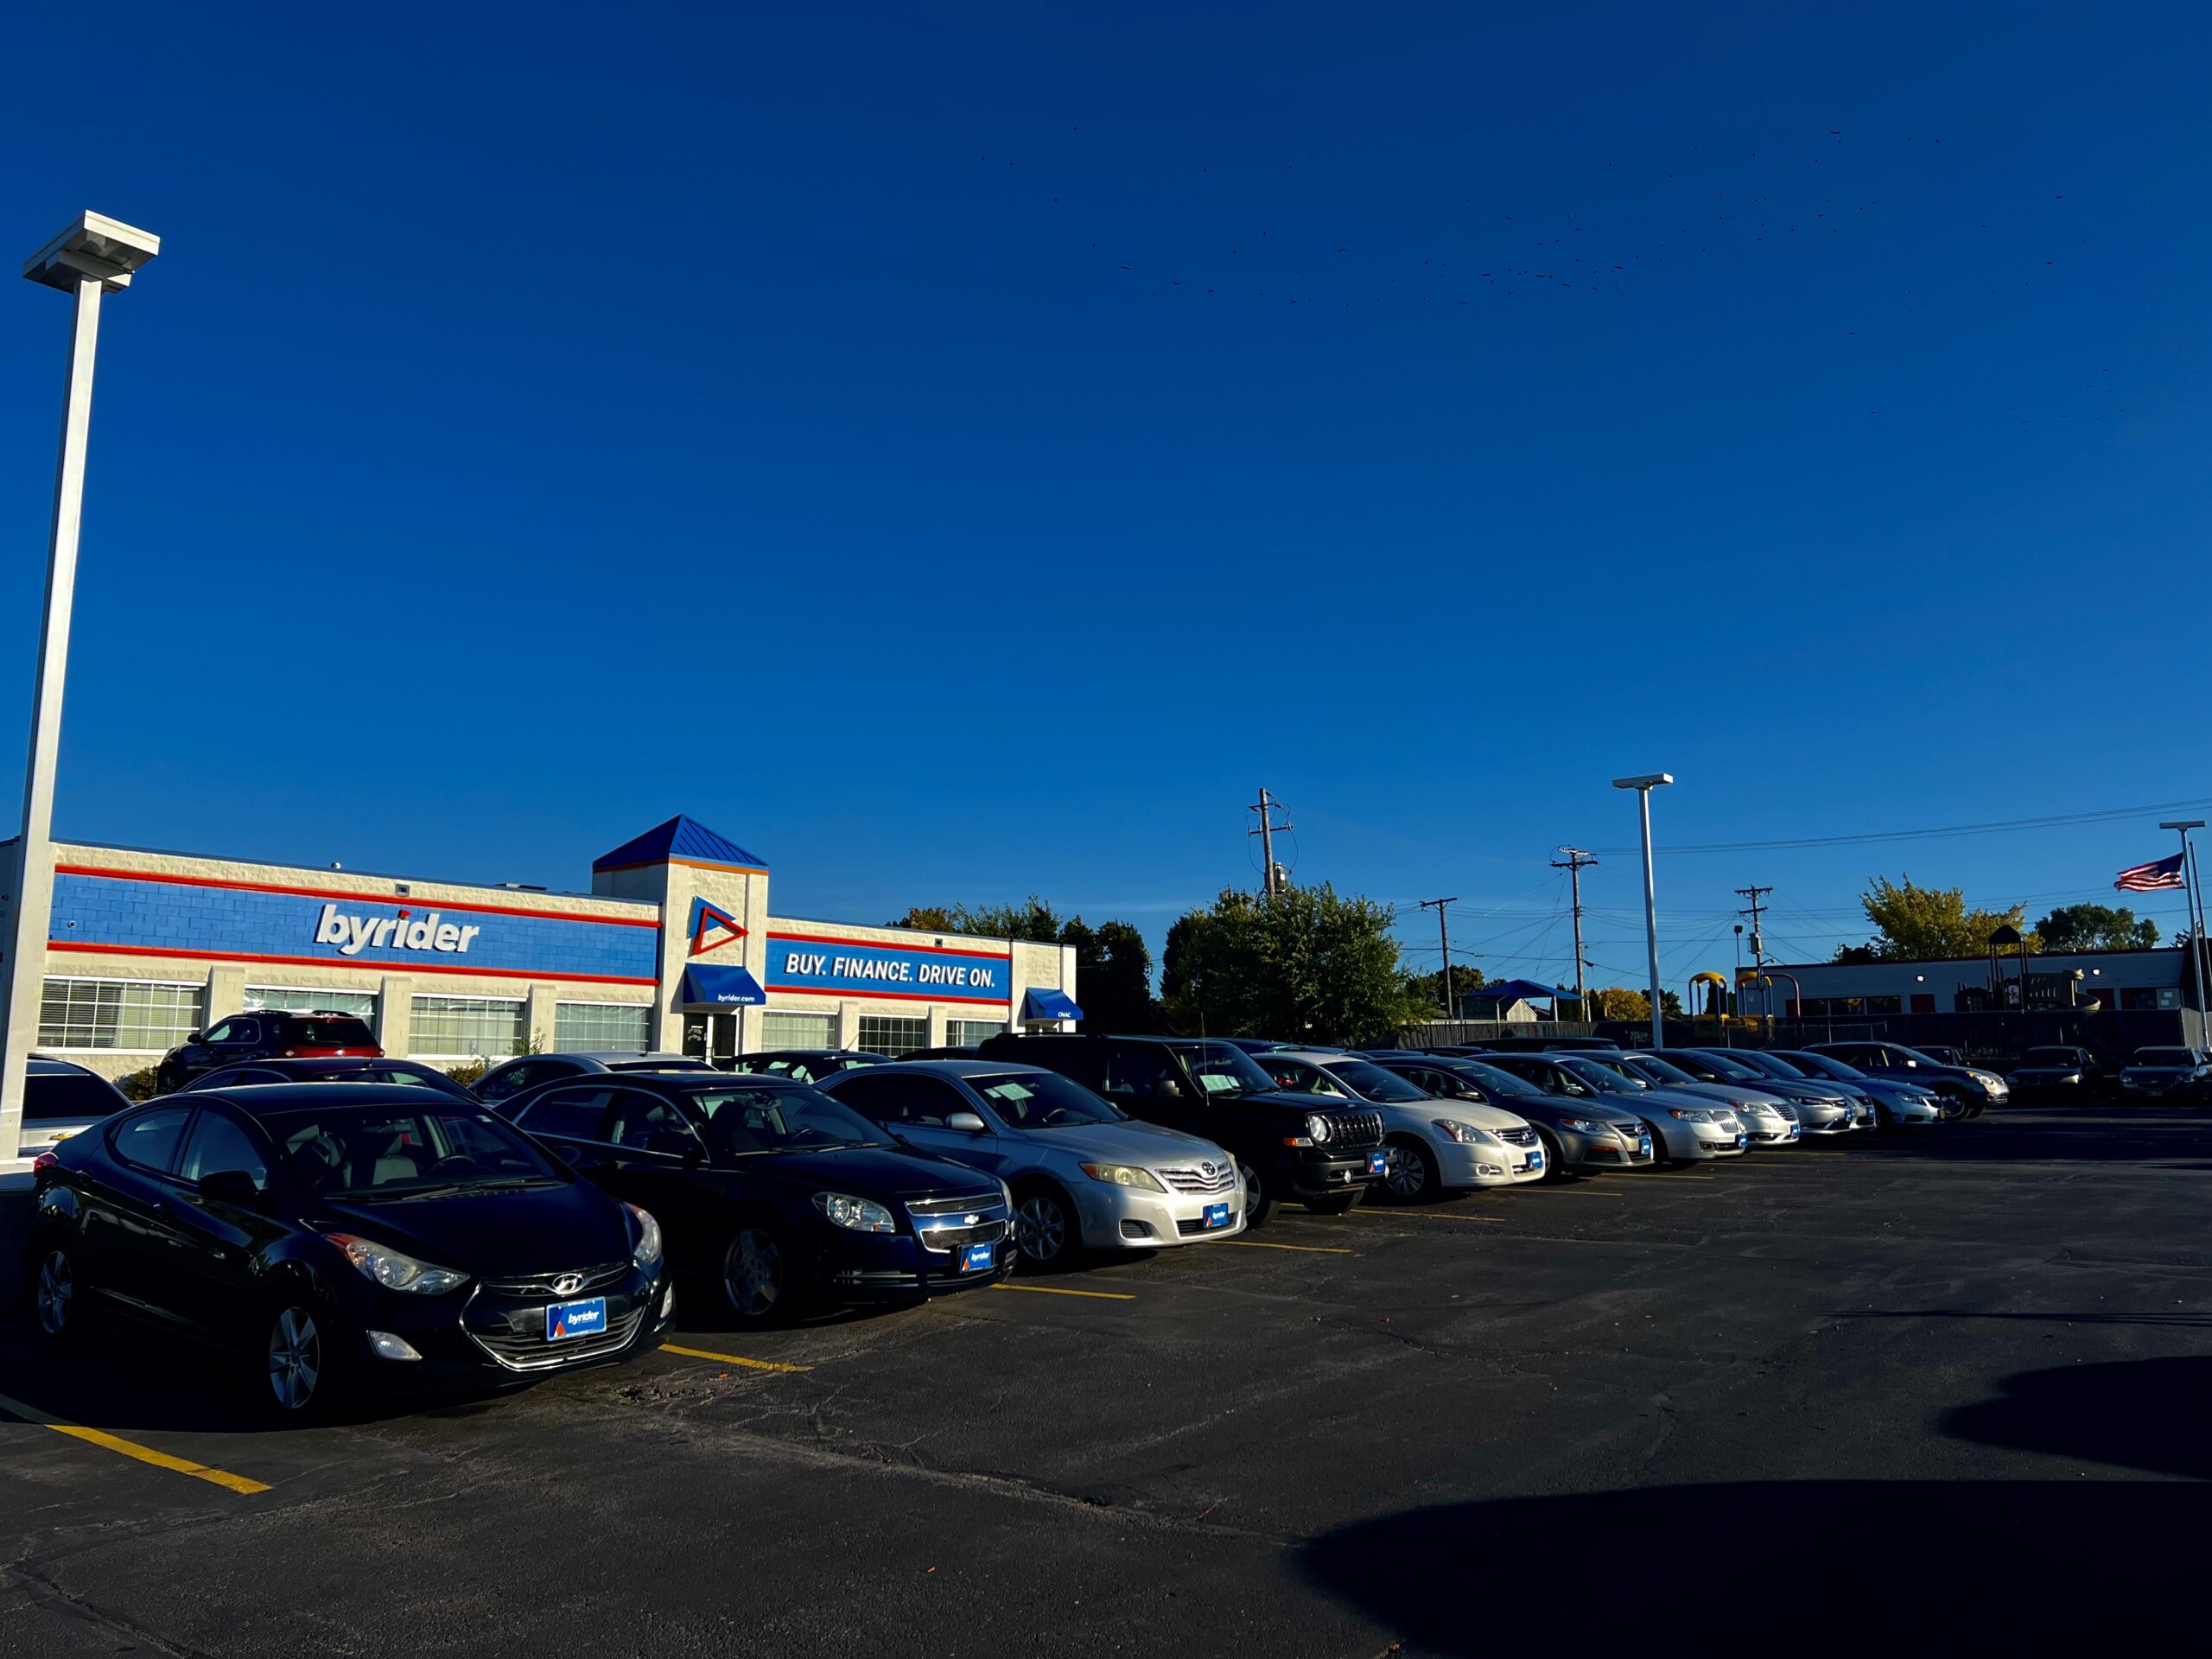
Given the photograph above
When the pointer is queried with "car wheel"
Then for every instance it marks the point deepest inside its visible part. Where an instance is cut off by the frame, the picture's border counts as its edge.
(1259, 1202)
(1044, 1230)
(301, 1362)
(1661, 1157)
(57, 1297)
(1410, 1173)
(758, 1275)
(1554, 1161)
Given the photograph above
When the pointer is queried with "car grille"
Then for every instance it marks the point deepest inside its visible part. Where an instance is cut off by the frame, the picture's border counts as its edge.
(1192, 1229)
(951, 1239)
(989, 1226)
(542, 1284)
(1516, 1137)
(1190, 1180)
(1355, 1128)
(954, 1206)
(531, 1352)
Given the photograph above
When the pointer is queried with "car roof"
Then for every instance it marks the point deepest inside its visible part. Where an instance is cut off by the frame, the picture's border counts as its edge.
(260, 1097)
(47, 1065)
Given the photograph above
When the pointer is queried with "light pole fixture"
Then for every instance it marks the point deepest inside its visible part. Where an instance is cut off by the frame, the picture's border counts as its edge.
(94, 256)
(1643, 785)
(2193, 896)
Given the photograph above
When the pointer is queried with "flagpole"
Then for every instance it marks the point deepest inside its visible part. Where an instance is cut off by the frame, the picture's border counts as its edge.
(2194, 897)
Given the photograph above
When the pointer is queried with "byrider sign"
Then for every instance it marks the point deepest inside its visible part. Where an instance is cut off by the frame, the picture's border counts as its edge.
(352, 933)
(799, 962)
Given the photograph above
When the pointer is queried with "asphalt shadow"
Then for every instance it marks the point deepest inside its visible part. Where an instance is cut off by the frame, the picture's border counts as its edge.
(2135, 1134)
(2144, 1414)
(1816, 1566)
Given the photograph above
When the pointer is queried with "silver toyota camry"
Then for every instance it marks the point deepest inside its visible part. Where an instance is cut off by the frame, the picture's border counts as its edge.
(1085, 1175)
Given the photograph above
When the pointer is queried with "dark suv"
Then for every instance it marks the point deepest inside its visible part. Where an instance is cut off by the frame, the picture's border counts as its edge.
(1288, 1147)
(268, 1035)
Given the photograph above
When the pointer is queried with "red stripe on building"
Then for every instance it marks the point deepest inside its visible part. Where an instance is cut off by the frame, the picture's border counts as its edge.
(411, 899)
(343, 961)
(877, 944)
(895, 996)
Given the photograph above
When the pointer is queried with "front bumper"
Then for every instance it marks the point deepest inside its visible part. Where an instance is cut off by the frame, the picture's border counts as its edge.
(1624, 1150)
(1713, 1141)
(845, 1267)
(1129, 1219)
(1313, 1173)
(495, 1332)
(1462, 1165)
(1832, 1120)
(2156, 1087)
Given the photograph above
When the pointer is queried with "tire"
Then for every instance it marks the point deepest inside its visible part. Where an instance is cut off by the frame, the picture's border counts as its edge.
(58, 1304)
(1341, 1206)
(303, 1361)
(1046, 1231)
(758, 1275)
(1259, 1202)
(1555, 1161)
(1882, 1118)
(1409, 1174)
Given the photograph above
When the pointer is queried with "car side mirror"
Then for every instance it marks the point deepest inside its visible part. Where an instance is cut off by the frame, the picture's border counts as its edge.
(193, 1037)
(229, 1187)
(1167, 1089)
(966, 1123)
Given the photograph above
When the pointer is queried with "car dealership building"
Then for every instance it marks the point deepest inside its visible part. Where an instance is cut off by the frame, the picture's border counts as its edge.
(674, 947)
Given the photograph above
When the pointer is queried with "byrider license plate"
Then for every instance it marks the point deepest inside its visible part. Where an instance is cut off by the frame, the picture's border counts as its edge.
(566, 1321)
(1374, 1163)
(1536, 1162)
(1644, 1146)
(1742, 1140)
(1216, 1215)
(974, 1258)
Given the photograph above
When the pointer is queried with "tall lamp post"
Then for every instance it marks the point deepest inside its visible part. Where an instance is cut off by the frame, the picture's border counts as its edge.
(2195, 898)
(1643, 785)
(95, 256)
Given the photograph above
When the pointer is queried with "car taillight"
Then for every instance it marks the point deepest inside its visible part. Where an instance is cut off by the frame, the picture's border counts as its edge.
(45, 1160)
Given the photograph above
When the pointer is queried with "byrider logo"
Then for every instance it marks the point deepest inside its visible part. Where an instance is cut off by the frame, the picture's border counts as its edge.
(352, 933)
(707, 919)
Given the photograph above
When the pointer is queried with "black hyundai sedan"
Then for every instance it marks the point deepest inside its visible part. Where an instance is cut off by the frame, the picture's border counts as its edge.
(776, 1197)
(344, 1237)
(353, 1068)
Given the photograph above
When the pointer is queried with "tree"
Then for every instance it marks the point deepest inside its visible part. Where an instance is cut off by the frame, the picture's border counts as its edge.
(1429, 988)
(1032, 918)
(1914, 922)
(1310, 967)
(1619, 1002)
(927, 918)
(2096, 927)
(1113, 966)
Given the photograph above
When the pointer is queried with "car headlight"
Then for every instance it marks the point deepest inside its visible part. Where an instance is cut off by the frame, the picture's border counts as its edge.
(1317, 1128)
(1467, 1135)
(646, 1251)
(1124, 1175)
(862, 1215)
(1690, 1114)
(395, 1269)
(1590, 1126)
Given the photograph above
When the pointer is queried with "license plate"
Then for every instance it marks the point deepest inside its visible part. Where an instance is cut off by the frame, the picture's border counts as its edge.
(566, 1321)
(1536, 1162)
(1743, 1141)
(1643, 1147)
(974, 1258)
(1216, 1215)
(1374, 1163)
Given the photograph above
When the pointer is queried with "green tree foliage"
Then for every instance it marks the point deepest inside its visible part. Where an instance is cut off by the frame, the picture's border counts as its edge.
(2096, 927)
(1911, 921)
(1113, 965)
(1619, 1002)
(1310, 967)
(1428, 988)
(927, 918)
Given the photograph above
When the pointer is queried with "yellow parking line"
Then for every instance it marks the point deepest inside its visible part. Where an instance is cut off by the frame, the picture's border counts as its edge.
(133, 1449)
(1055, 1290)
(733, 1359)
(1261, 1244)
(1574, 1192)
(1418, 1215)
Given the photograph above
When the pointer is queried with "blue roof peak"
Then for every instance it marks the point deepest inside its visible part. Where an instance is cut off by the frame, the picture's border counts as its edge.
(680, 840)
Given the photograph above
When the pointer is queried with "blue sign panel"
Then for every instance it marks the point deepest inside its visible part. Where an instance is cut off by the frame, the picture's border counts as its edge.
(722, 988)
(919, 973)
(182, 916)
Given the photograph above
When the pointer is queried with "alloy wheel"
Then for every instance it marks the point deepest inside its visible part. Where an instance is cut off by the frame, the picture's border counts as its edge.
(57, 1290)
(753, 1273)
(295, 1358)
(1403, 1172)
(1040, 1228)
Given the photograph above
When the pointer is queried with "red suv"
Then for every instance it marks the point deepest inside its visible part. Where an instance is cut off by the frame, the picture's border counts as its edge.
(268, 1035)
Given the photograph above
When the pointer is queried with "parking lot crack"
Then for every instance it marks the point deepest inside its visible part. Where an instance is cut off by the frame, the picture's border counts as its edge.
(46, 1599)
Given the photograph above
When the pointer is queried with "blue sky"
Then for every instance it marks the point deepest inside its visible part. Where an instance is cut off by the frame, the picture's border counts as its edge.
(959, 455)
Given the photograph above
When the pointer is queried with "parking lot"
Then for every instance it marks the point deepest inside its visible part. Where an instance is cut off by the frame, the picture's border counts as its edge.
(1864, 1386)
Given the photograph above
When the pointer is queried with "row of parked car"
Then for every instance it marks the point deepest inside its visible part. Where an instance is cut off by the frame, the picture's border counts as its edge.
(405, 1228)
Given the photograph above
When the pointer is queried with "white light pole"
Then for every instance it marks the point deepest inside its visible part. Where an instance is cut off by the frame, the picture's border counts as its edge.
(2193, 896)
(95, 256)
(1643, 785)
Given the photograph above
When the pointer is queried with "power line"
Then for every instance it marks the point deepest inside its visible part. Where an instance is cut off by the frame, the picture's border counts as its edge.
(1577, 861)
(1267, 809)
(2104, 816)
(1444, 943)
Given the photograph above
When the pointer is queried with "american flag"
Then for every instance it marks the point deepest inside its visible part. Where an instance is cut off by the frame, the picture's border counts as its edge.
(2149, 878)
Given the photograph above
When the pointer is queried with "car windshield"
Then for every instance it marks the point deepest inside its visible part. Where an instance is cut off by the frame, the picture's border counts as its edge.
(1734, 1071)
(2051, 1057)
(1223, 1069)
(1827, 1066)
(1654, 1069)
(1916, 1054)
(745, 1122)
(386, 1150)
(1773, 1064)
(1370, 1082)
(2165, 1056)
(1605, 1079)
(1043, 1100)
(1493, 1081)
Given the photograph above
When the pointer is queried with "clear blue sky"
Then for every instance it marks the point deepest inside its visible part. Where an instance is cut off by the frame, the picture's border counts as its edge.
(964, 456)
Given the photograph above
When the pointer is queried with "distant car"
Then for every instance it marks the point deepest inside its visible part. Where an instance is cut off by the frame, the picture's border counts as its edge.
(61, 1099)
(1823, 1105)
(808, 1064)
(1085, 1175)
(2165, 1073)
(1535, 1044)
(265, 1035)
(1252, 1044)
(1686, 1126)
(336, 1069)
(1430, 1145)
(2057, 1072)
(1896, 1104)
(778, 1197)
(510, 1077)
(964, 1052)
(1576, 1134)
(1969, 1088)
(343, 1237)
(1945, 1054)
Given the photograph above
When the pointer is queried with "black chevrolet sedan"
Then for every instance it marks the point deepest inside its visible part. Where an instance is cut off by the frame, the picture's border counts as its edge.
(776, 1199)
(342, 1238)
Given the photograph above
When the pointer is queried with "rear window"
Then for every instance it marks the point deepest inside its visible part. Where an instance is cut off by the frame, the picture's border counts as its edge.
(61, 1094)
(319, 1031)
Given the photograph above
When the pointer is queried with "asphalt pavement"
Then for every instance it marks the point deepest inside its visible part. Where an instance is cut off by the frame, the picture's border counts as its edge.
(1941, 1388)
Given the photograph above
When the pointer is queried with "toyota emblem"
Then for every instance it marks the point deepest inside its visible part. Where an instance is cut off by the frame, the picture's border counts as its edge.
(567, 1284)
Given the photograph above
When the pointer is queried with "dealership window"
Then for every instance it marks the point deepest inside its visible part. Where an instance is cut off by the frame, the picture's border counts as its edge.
(891, 1034)
(782, 1030)
(601, 1025)
(291, 999)
(489, 1025)
(1883, 1004)
(964, 1034)
(124, 1014)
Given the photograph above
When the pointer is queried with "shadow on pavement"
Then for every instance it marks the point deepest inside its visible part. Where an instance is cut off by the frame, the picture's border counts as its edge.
(2162, 1135)
(1816, 1566)
(2147, 1413)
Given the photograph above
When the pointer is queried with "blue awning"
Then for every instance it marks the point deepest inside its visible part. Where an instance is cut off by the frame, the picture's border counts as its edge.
(1049, 1005)
(721, 987)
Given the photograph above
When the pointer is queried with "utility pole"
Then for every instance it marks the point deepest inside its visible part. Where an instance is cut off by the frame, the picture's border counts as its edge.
(1443, 938)
(1576, 861)
(1758, 943)
(1267, 809)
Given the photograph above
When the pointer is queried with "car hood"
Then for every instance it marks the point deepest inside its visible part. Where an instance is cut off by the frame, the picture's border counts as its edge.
(1549, 1108)
(1706, 1094)
(871, 1172)
(2040, 1071)
(490, 1234)
(2161, 1073)
(1122, 1143)
(1417, 1115)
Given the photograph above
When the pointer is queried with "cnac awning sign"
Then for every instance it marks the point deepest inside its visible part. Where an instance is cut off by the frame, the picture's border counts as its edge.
(919, 974)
